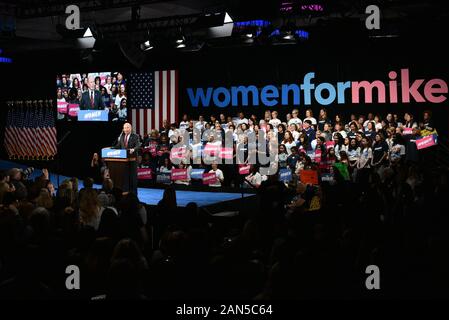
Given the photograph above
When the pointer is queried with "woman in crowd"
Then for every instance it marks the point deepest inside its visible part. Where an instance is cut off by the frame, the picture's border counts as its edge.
(120, 79)
(288, 141)
(254, 179)
(108, 84)
(303, 143)
(338, 144)
(106, 98)
(185, 181)
(397, 150)
(122, 111)
(323, 119)
(121, 94)
(370, 131)
(363, 164)
(380, 151)
(309, 116)
(218, 174)
(76, 83)
(166, 166)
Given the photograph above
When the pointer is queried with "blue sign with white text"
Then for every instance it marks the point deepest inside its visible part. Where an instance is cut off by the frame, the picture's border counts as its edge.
(285, 175)
(113, 153)
(93, 115)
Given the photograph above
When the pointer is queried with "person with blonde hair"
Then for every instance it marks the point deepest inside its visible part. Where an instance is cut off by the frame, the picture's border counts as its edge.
(44, 199)
(89, 207)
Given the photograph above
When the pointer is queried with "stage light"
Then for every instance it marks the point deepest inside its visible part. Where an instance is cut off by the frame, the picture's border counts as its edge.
(146, 46)
(288, 35)
(181, 45)
(228, 18)
(249, 35)
(180, 40)
(88, 33)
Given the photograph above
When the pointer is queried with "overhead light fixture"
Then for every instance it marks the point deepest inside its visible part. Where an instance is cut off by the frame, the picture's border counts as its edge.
(146, 46)
(288, 35)
(181, 45)
(88, 33)
(228, 18)
(180, 40)
(249, 35)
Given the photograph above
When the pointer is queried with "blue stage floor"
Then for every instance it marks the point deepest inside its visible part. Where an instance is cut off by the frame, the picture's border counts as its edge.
(147, 195)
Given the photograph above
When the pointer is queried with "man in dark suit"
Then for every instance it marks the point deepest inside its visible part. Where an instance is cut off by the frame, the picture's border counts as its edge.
(130, 141)
(91, 99)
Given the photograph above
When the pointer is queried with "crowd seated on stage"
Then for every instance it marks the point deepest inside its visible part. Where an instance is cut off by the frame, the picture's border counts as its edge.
(386, 206)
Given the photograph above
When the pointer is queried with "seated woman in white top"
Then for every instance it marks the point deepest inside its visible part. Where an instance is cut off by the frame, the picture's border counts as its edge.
(218, 174)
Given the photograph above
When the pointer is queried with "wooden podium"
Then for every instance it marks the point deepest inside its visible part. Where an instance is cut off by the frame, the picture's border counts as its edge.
(122, 168)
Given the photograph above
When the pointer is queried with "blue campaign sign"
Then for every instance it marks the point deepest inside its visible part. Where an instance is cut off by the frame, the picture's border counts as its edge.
(285, 175)
(197, 174)
(93, 115)
(113, 153)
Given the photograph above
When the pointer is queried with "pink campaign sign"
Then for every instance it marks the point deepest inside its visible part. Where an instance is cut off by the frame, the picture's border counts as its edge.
(317, 155)
(209, 178)
(62, 107)
(244, 169)
(144, 174)
(425, 142)
(329, 144)
(407, 131)
(73, 109)
(178, 153)
(211, 149)
(226, 153)
(179, 174)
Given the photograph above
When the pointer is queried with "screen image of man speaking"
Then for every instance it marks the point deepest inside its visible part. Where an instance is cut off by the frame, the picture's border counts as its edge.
(129, 141)
(91, 98)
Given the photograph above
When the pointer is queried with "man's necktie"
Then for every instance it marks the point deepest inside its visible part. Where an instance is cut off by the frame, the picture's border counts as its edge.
(92, 99)
(126, 141)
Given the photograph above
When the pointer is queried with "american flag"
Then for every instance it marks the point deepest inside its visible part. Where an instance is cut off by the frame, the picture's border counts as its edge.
(153, 98)
(30, 133)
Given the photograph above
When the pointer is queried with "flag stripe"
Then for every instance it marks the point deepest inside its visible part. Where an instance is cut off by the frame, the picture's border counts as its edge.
(29, 133)
(164, 95)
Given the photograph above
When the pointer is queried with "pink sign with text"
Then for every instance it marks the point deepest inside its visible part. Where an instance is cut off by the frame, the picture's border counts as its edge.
(73, 109)
(209, 178)
(179, 174)
(144, 174)
(244, 169)
(226, 153)
(425, 142)
(62, 107)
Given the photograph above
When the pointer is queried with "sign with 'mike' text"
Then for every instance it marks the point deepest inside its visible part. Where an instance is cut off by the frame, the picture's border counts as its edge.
(397, 88)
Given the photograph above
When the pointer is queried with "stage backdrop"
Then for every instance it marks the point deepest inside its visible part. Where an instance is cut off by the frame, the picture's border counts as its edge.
(32, 77)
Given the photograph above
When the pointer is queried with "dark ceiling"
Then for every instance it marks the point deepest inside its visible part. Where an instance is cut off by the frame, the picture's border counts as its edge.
(28, 25)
